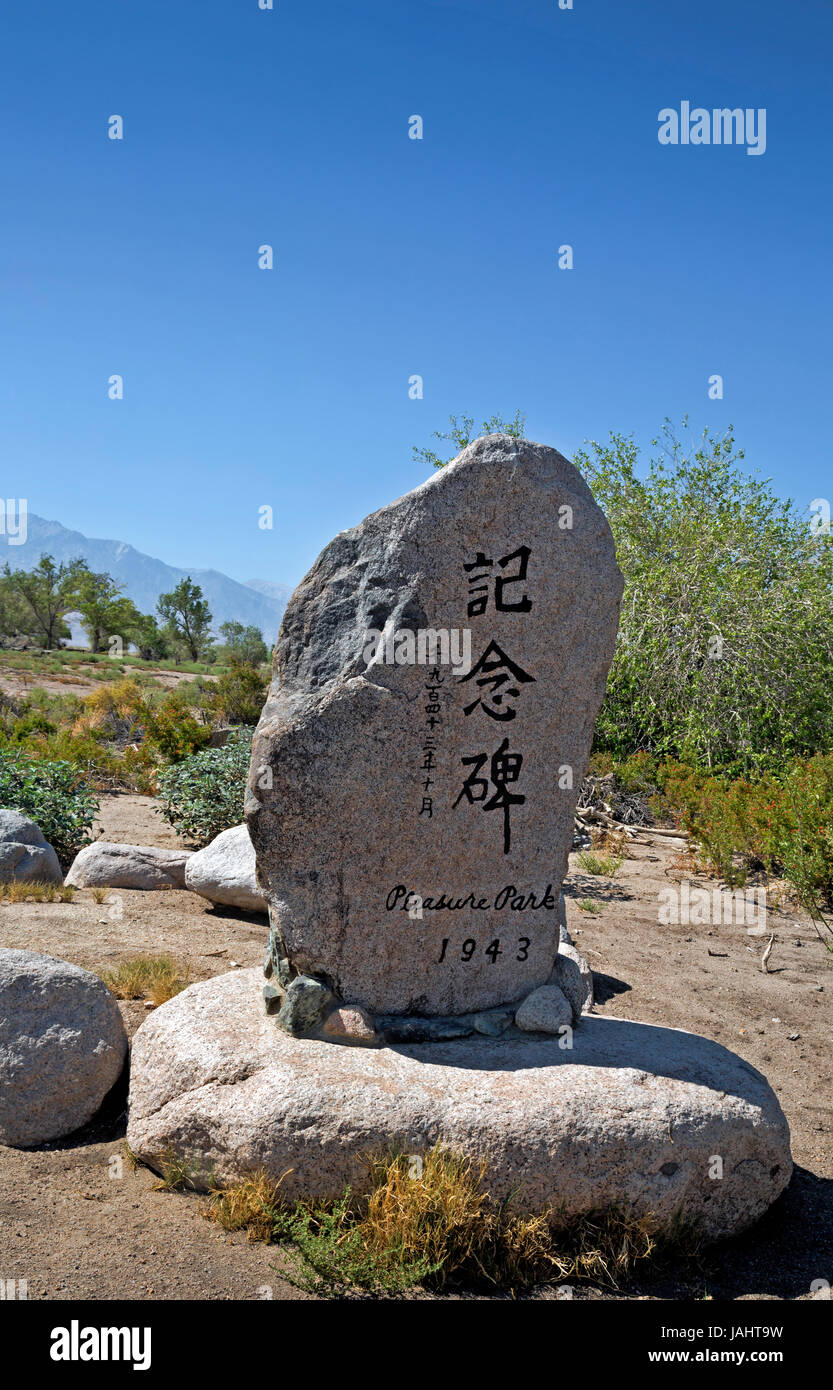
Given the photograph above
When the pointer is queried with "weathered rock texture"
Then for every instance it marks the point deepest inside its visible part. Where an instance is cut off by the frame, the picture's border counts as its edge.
(225, 871)
(105, 864)
(352, 751)
(632, 1114)
(62, 1046)
(25, 855)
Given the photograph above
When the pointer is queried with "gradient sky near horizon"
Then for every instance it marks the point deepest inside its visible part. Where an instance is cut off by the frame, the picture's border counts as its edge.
(393, 257)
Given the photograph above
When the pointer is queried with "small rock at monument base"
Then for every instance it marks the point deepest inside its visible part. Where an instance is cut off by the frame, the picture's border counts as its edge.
(398, 1028)
(567, 977)
(272, 998)
(349, 1023)
(305, 1003)
(545, 1010)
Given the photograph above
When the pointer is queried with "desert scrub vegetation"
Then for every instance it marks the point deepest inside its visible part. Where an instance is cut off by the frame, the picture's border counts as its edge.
(434, 1224)
(604, 865)
(55, 795)
(203, 795)
(121, 734)
(18, 891)
(776, 819)
(782, 825)
(156, 978)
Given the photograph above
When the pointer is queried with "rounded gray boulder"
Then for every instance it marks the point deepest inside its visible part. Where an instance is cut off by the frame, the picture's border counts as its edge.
(25, 855)
(224, 872)
(109, 865)
(62, 1047)
(630, 1115)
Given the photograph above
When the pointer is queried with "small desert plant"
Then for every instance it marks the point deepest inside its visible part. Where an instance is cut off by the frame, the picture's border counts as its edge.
(609, 842)
(157, 978)
(240, 693)
(175, 1173)
(588, 905)
(251, 1206)
(605, 865)
(99, 894)
(174, 731)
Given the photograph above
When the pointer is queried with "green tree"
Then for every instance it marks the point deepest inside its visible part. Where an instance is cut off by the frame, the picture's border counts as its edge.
(245, 643)
(105, 611)
(186, 619)
(725, 648)
(13, 621)
(148, 638)
(462, 432)
(44, 595)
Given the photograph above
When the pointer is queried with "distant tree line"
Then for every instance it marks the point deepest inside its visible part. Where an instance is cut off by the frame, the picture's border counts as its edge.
(35, 603)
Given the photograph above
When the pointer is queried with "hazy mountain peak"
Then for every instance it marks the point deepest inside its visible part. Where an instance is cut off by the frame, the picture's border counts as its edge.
(260, 602)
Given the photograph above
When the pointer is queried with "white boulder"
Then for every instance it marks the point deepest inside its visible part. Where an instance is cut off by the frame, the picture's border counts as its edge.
(631, 1114)
(108, 865)
(224, 871)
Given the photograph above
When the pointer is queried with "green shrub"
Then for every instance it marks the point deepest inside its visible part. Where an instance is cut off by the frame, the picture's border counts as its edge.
(240, 693)
(203, 794)
(781, 824)
(725, 645)
(173, 731)
(53, 794)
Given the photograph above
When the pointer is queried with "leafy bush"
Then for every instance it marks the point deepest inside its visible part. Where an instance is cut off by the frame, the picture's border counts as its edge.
(240, 693)
(781, 824)
(174, 731)
(55, 795)
(203, 794)
(725, 647)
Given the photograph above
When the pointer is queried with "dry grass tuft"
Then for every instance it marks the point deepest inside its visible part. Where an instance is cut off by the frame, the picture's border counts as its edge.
(157, 978)
(429, 1220)
(176, 1173)
(21, 892)
(613, 842)
(249, 1206)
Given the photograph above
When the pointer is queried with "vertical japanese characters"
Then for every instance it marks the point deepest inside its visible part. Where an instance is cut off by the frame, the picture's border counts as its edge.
(499, 682)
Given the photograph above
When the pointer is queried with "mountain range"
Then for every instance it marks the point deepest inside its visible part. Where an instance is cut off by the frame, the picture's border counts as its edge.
(259, 602)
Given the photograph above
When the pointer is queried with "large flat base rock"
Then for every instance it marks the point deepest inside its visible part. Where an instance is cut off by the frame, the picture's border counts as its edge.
(633, 1114)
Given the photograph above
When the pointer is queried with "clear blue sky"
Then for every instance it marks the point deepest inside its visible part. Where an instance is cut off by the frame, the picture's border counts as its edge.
(393, 256)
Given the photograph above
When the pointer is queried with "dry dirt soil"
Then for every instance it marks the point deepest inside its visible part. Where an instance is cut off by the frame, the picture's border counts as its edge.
(77, 1222)
(17, 681)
